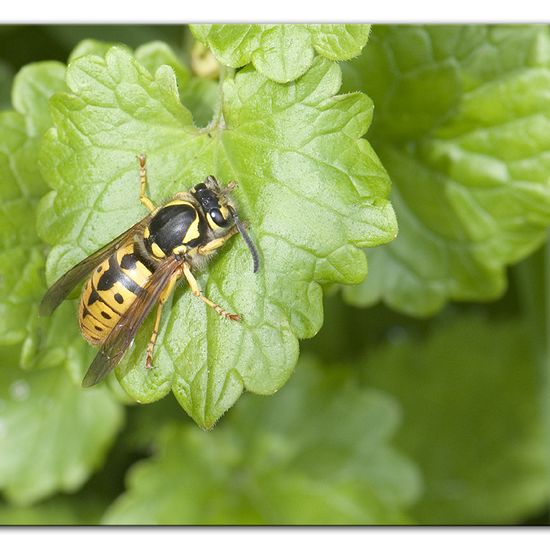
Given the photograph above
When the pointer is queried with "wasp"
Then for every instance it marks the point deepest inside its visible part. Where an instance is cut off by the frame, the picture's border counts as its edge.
(140, 268)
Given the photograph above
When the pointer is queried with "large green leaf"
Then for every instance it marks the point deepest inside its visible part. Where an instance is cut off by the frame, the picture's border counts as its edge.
(312, 191)
(52, 434)
(199, 95)
(471, 394)
(281, 52)
(21, 251)
(319, 452)
(462, 125)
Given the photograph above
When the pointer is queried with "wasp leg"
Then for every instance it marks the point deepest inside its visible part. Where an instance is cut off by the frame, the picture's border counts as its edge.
(195, 289)
(162, 299)
(217, 243)
(145, 200)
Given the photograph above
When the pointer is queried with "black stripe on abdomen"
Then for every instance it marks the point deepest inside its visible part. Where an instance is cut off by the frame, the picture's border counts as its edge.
(115, 274)
(102, 325)
(95, 297)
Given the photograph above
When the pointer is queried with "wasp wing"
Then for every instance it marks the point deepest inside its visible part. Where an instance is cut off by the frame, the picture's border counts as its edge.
(63, 286)
(123, 333)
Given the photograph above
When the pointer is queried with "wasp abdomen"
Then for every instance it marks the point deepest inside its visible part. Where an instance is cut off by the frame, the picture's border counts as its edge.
(110, 291)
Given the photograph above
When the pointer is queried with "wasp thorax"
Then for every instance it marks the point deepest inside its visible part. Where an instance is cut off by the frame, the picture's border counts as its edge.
(175, 228)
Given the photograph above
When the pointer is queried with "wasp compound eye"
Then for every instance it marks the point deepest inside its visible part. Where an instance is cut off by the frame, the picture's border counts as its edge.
(217, 217)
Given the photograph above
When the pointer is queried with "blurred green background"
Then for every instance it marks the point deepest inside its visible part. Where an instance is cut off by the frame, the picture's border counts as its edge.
(387, 419)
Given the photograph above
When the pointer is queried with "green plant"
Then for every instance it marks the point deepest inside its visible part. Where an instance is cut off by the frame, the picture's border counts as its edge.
(419, 410)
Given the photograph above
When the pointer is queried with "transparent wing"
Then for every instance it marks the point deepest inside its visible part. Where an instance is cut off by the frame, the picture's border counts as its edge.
(123, 333)
(63, 286)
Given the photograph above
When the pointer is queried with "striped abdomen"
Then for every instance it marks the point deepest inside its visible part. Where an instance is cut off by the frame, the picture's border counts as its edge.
(109, 292)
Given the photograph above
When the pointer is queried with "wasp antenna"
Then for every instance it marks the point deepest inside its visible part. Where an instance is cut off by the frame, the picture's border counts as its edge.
(248, 241)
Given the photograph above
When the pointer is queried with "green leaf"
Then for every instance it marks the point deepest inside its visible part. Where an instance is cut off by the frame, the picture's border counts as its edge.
(281, 52)
(55, 512)
(472, 420)
(52, 434)
(154, 54)
(21, 251)
(96, 47)
(284, 52)
(318, 452)
(312, 191)
(339, 42)
(59, 510)
(199, 95)
(462, 125)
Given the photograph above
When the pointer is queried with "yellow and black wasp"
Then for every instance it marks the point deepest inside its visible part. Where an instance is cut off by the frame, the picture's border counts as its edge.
(141, 267)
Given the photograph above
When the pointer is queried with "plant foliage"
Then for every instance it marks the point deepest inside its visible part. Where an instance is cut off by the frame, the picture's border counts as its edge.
(311, 189)
(462, 127)
(387, 418)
